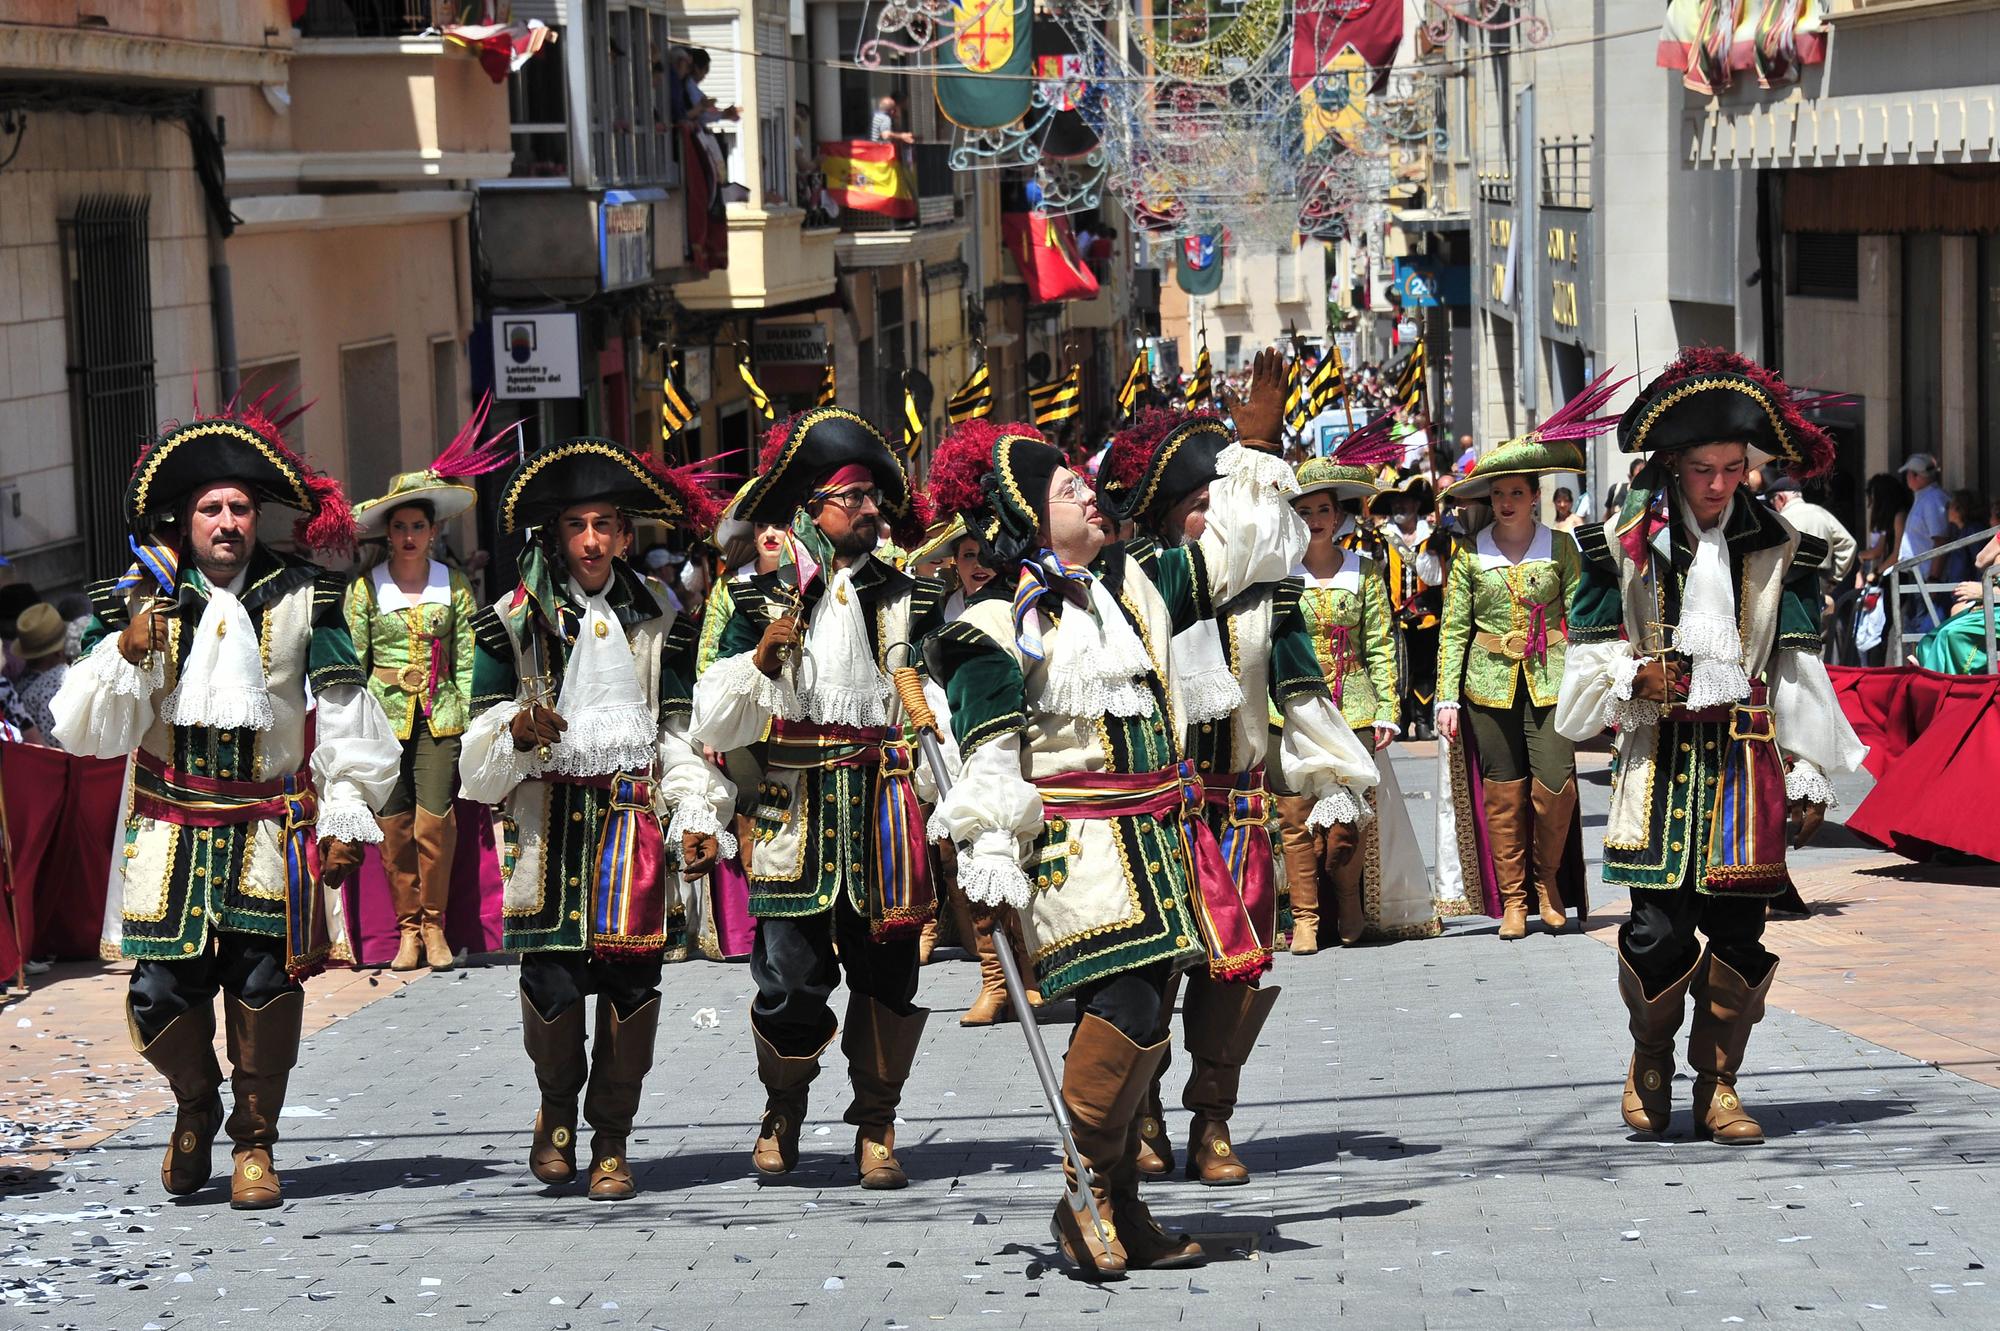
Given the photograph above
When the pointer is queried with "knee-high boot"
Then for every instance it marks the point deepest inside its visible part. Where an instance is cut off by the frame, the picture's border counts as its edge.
(1302, 858)
(1507, 833)
(263, 1049)
(620, 1057)
(1104, 1077)
(1555, 810)
(400, 865)
(1726, 1006)
(880, 1047)
(437, 847)
(787, 1082)
(1649, 1080)
(1155, 1156)
(556, 1050)
(1223, 1021)
(184, 1053)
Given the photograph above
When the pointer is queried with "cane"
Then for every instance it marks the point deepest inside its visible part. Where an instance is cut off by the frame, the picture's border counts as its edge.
(910, 689)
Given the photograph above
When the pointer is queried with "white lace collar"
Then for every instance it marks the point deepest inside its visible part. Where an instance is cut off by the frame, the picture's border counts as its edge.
(389, 598)
(1541, 546)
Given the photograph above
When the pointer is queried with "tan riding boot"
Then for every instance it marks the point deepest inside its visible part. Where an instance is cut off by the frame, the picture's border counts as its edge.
(556, 1050)
(1507, 835)
(1726, 1006)
(1148, 1247)
(400, 865)
(1351, 915)
(1302, 858)
(1222, 1023)
(1649, 1081)
(263, 1049)
(1554, 812)
(620, 1057)
(989, 1005)
(880, 1047)
(1104, 1076)
(184, 1053)
(437, 846)
(786, 1084)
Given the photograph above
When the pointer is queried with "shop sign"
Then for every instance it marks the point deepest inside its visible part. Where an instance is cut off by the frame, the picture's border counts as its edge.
(624, 241)
(789, 344)
(1565, 259)
(535, 356)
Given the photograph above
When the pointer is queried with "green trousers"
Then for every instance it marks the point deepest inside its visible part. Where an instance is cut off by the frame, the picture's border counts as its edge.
(429, 775)
(1520, 741)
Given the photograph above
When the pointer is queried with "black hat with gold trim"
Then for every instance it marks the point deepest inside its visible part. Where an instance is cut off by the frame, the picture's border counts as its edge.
(800, 454)
(1415, 487)
(1712, 396)
(246, 445)
(1159, 460)
(996, 477)
(587, 469)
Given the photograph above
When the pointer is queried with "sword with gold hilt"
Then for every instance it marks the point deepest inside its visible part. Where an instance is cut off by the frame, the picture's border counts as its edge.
(537, 683)
(1076, 1189)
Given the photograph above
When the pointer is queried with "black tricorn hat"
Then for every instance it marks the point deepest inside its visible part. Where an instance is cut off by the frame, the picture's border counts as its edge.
(576, 471)
(1159, 469)
(245, 445)
(1709, 396)
(799, 456)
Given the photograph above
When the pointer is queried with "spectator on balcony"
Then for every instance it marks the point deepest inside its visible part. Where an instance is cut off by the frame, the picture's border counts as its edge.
(882, 127)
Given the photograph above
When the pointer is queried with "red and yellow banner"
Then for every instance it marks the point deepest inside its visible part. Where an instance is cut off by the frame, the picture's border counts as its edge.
(867, 177)
(1044, 248)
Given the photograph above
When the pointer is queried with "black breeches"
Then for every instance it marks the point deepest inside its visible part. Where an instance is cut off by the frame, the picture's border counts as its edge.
(795, 965)
(248, 967)
(557, 981)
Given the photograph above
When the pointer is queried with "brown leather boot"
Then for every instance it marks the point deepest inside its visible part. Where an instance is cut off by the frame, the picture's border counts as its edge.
(1104, 1076)
(1507, 834)
(556, 1050)
(989, 1005)
(1222, 1022)
(1649, 1080)
(1554, 811)
(880, 1047)
(184, 1053)
(437, 846)
(620, 1057)
(406, 889)
(786, 1084)
(1726, 1006)
(263, 1049)
(1155, 1155)
(1302, 858)
(1351, 913)
(1148, 1247)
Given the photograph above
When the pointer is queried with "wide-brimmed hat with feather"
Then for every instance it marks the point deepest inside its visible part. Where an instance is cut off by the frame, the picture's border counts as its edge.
(442, 485)
(1349, 472)
(1712, 396)
(996, 477)
(1158, 460)
(799, 455)
(1554, 445)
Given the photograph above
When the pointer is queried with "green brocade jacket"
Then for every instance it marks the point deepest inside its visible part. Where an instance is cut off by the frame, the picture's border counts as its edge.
(1348, 617)
(1492, 609)
(415, 652)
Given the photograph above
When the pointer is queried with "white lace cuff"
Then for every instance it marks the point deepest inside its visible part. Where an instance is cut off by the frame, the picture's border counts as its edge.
(738, 676)
(1807, 782)
(990, 873)
(698, 816)
(1623, 669)
(1624, 711)
(1340, 807)
(1259, 468)
(121, 678)
(346, 819)
(1442, 707)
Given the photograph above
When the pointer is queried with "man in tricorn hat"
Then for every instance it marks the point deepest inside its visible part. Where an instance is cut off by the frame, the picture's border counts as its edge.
(1694, 629)
(579, 735)
(839, 869)
(243, 816)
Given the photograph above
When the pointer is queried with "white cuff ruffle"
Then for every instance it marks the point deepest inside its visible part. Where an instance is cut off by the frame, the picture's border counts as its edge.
(348, 820)
(1807, 782)
(698, 816)
(1340, 807)
(1624, 711)
(121, 678)
(1258, 467)
(738, 675)
(990, 873)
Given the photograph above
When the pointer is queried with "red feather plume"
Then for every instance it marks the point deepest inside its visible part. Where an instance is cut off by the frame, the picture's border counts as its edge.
(330, 530)
(774, 442)
(1815, 444)
(962, 461)
(465, 456)
(1132, 448)
(1575, 420)
(693, 485)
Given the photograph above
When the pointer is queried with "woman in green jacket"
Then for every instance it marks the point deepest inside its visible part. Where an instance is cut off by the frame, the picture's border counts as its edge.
(1500, 659)
(411, 619)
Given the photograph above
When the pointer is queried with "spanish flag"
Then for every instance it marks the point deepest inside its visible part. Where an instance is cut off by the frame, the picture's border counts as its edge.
(1059, 399)
(867, 177)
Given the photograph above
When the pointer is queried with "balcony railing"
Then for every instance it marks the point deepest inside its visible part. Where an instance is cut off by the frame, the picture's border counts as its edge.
(378, 18)
(937, 199)
(1566, 172)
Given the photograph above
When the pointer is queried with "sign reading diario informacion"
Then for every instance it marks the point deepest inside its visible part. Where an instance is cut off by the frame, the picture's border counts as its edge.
(789, 344)
(535, 356)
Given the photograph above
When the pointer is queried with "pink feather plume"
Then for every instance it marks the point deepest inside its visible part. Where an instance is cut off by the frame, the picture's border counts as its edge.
(1370, 446)
(1577, 419)
(465, 456)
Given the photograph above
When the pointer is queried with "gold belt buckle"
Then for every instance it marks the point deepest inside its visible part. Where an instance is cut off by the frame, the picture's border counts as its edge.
(1514, 644)
(413, 678)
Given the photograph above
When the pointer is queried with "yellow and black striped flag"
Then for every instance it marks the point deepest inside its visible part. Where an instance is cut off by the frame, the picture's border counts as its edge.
(675, 410)
(1298, 407)
(1058, 400)
(1135, 384)
(1328, 386)
(974, 400)
(1201, 386)
(913, 423)
(758, 397)
(1410, 379)
(829, 392)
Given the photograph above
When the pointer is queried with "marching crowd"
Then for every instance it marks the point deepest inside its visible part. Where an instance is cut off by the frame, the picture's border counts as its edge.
(1130, 715)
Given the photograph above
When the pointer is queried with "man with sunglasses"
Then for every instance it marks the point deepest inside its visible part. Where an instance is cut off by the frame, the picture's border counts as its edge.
(839, 870)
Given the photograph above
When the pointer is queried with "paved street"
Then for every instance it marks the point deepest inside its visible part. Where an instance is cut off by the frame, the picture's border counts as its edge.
(1433, 1128)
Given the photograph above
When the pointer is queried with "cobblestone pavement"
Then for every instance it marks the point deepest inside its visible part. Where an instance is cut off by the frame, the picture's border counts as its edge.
(1433, 1128)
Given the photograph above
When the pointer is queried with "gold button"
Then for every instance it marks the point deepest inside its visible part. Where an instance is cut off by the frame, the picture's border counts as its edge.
(224, 774)
(854, 800)
(1652, 1079)
(227, 736)
(560, 1137)
(1677, 845)
(831, 832)
(1057, 877)
(857, 866)
(1076, 848)
(1041, 880)
(575, 881)
(1180, 940)
(187, 947)
(1687, 748)
(601, 629)
(576, 816)
(1154, 867)
(1207, 726)
(200, 871)
(878, 1150)
(251, 1172)
(575, 914)
(1203, 764)
(195, 911)
(222, 629)
(131, 852)
(824, 899)
(201, 762)
(609, 1164)
(1708, 744)
(132, 824)
(831, 798)
(1056, 825)
(1682, 778)
(828, 867)
(202, 835)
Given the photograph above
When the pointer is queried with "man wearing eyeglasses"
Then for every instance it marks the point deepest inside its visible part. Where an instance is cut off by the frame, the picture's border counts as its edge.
(839, 870)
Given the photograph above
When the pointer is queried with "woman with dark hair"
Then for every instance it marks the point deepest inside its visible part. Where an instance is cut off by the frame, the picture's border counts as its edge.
(411, 620)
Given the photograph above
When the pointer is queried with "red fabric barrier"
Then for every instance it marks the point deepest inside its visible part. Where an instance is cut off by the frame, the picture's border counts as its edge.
(1934, 750)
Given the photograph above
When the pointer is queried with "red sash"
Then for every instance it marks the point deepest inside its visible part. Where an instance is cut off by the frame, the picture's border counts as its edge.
(1235, 950)
(628, 905)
